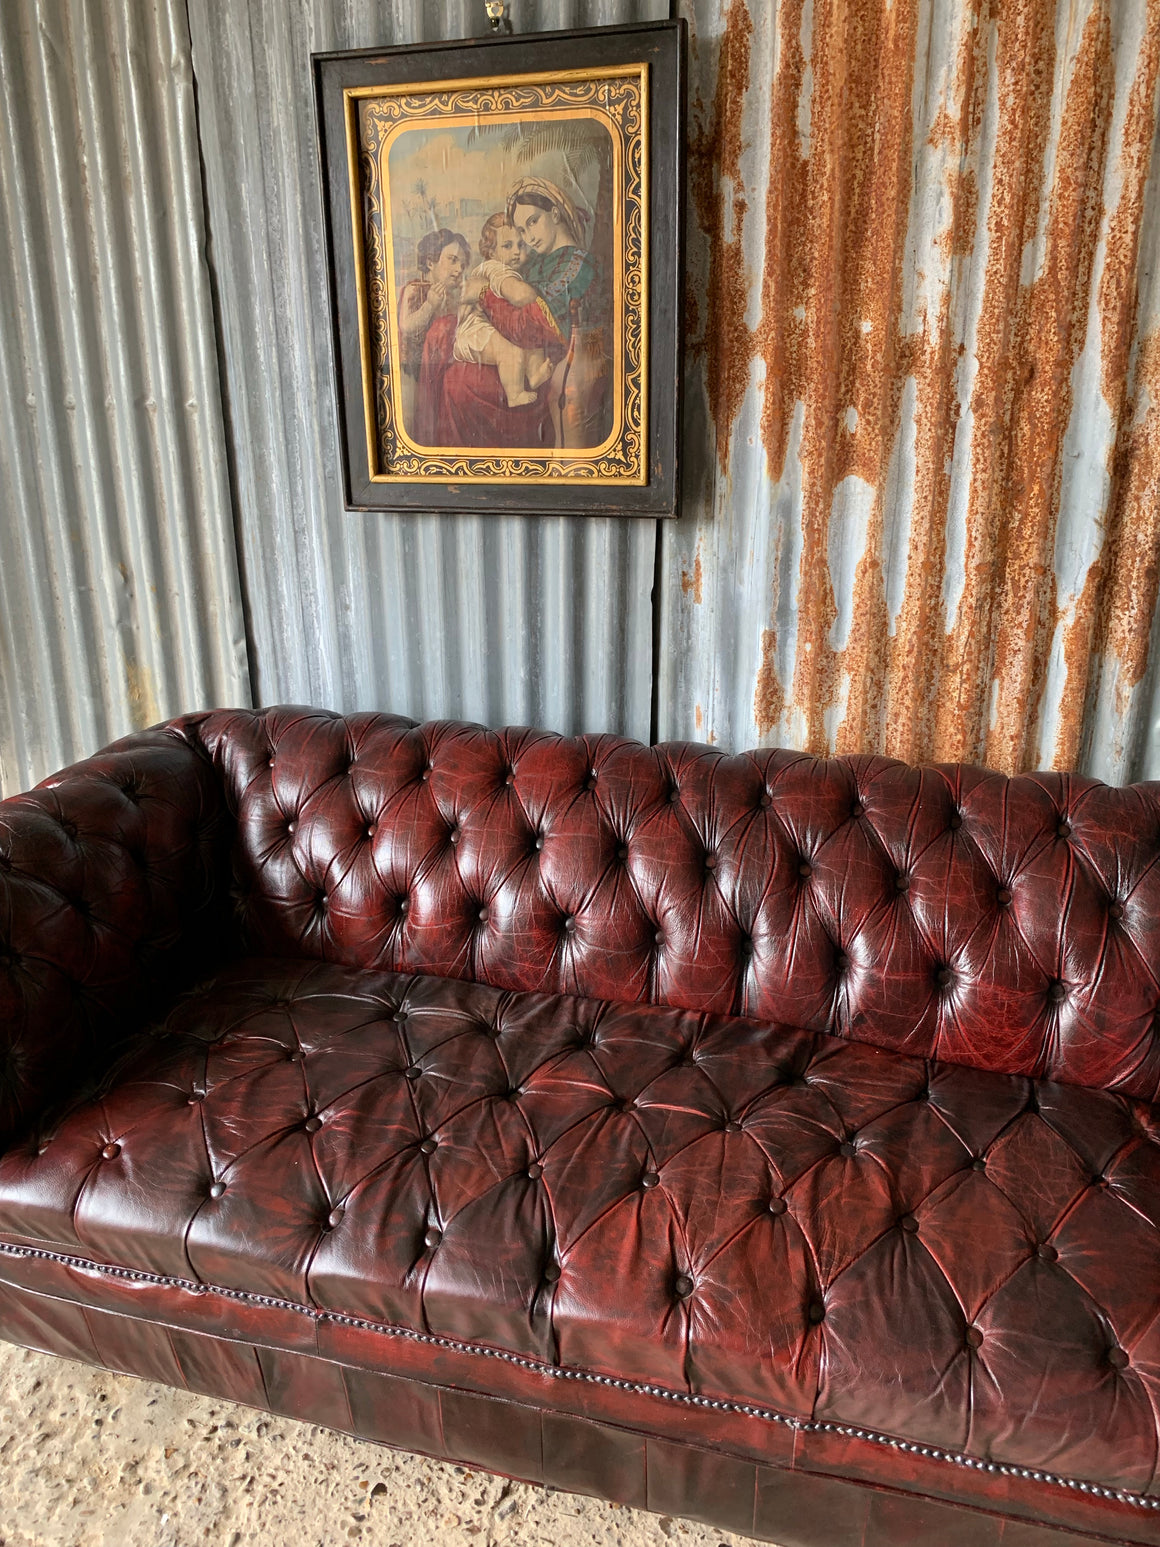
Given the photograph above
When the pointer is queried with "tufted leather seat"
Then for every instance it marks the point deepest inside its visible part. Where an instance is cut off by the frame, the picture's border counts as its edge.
(794, 1115)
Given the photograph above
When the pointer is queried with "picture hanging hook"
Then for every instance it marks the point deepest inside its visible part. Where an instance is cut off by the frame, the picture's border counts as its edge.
(497, 14)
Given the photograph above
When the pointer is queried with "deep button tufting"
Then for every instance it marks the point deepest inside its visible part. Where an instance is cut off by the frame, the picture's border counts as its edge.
(371, 830)
(535, 1171)
(683, 1286)
(1118, 1359)
(111, 1151)
(766, 799)
(404, 904)
(294, 1057)
(334, 1218)
(320, 900)
(433, 1236)
(777, 1205)
(622, 853)
(291, 827)
(674, 795)
(539, 842)
(453, 835)
(1115, 910)
(428, 1146)
(659, 937)
(745, 946)
(857, 809)
(731, 1127)
(944, 977)
(805, 869)
(69, 829)
(590, 782)
(216, 1189)
(513, 1093)
(426, 774)
(973, 1338)
(1064, 829)
(269, 762)
(909, 1224)
(816, 1313)
(956, 821)
(1003, 897)
(551, 1274)
(902, 882)
(568, 924)
(194, 1097)
(979, 1164)
(509, 778)
(710, 862)
(312, 1124)
(649, 1179)
(1057, 992)
(841, 962)
(483, 915)
(1047, 1252)
(847, 1150)
(413, 1072)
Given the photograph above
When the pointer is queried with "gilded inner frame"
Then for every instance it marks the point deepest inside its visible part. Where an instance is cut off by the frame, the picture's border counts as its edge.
(590, 416)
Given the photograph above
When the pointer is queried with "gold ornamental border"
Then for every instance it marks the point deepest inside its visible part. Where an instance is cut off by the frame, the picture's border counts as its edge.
(507, 99)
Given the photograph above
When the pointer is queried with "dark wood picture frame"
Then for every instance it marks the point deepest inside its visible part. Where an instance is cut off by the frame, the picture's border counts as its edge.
(543, 377)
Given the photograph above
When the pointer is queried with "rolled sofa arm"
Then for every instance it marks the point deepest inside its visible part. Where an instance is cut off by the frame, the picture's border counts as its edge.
(114, 879)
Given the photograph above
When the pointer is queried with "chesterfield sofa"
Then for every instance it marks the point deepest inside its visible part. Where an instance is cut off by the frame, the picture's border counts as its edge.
(759, 1139)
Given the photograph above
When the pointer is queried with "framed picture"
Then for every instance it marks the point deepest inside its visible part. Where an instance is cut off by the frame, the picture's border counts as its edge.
(504, 222)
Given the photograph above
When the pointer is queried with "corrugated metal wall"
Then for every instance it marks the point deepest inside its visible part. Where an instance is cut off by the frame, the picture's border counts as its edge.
(924, 386)
(119, 597)
(500, 618)
(923, 428)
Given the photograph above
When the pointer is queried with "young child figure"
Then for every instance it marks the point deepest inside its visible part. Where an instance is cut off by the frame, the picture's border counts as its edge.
(477, 340)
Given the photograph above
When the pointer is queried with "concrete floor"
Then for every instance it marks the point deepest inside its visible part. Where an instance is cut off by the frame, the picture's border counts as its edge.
(89, 1459)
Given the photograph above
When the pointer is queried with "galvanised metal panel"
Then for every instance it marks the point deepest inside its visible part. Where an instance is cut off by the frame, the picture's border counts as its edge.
(923, 425)
(502, 619)
(119, 594)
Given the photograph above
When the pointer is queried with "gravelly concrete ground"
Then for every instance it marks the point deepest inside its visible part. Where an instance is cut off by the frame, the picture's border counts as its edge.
(89, 1459)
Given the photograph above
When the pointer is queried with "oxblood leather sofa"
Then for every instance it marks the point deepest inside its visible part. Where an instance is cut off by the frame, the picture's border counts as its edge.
(759, 1139)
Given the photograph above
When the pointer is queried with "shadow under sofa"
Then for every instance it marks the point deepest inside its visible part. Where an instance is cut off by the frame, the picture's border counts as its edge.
(761, 1139)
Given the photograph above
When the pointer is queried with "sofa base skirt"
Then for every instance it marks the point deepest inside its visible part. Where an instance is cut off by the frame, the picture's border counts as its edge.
(801, 1502)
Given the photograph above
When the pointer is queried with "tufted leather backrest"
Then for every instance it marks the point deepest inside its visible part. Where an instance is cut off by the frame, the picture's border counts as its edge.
(1007, 924)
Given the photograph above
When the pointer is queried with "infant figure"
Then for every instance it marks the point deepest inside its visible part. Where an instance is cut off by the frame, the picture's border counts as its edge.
(477, 340)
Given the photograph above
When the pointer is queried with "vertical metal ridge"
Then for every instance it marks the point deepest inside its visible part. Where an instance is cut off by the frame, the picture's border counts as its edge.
(118, 577)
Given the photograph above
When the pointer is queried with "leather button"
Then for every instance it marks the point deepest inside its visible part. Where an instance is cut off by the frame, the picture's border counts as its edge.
(371, 831)
(551, 1273)
(513, 1094)
(426, 774)
(777, 1205)
(622, 853)
(841, 963)
(535, 1171)
(902, 882)
(1064, 829)
(857, 809)
(745, 946)
(509, 778)
(649, 1179)
(590, 782)
(659, 937)
(404, 904)
(453, 835)
(217, 1189)
(194, 1097)
(483, 915)
(974, 1338)
(683, 1286)
(978, 1165)
(568, 925)
(539, 843)
(294, 1058)
(710, 862)
(1115, 910)
(335, 1216)
(817, 1313)
(909, 1224)
(944, 977)
(955, 822)
(428, 1146)
(269, 762)
(1117, 1358)
(847, 1150)
(766, 799)
(1047, 1252)
(732, 1127)
(805, 870)
(413, 1072)
(433, 1236)
(111, 1151)
(1003, 897)
(312, 1124)
(1057, 993)
(674, 795)
(291, 827)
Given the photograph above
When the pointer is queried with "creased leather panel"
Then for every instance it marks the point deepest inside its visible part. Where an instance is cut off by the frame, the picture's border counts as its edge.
(738, 1211)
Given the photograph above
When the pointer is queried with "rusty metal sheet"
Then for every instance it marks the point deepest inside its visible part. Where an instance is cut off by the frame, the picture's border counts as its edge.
(923, 368)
